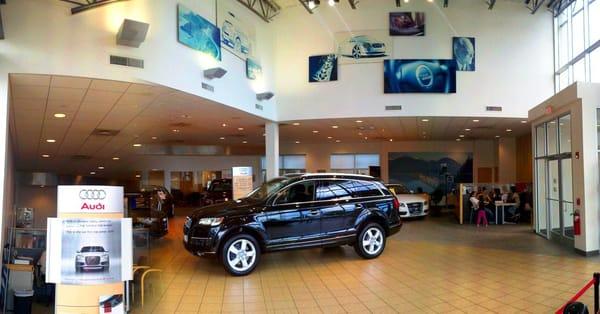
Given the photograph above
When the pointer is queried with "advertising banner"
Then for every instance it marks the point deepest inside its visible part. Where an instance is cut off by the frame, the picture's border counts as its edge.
(242, 181)
(90, 199)
(89, 251)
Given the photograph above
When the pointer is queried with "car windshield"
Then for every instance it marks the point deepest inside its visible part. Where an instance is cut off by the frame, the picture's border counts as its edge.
(220, 186)
(268, 187)
(363, 38)
(88, 249)
(398, 189)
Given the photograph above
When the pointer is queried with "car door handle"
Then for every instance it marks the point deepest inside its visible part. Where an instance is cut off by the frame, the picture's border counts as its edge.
(313, 213)
(359, 206)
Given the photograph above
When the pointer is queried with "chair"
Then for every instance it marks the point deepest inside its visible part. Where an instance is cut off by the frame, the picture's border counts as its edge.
(144, 274)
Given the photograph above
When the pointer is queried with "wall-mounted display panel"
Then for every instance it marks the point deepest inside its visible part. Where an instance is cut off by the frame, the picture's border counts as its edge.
(237, 35)
(363, 46)
(198, 33)
(463, 52)
(323, 68)
(419, 76)
(407, 24)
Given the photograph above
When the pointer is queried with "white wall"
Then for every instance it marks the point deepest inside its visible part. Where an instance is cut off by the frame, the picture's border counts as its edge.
(43, 37)
(507, 162)
(514, 60)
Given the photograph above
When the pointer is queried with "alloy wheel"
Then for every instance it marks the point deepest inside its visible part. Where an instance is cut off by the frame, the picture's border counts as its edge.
(372, 241)
(241, 255)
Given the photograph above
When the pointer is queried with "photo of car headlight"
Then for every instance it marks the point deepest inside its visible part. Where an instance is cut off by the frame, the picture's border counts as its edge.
(210, 221)
(79, 257)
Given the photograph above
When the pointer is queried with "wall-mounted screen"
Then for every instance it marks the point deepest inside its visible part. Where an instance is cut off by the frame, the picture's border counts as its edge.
(322, 68)
(407, 24)
(198, 33)
(419, 76)
(463, 50)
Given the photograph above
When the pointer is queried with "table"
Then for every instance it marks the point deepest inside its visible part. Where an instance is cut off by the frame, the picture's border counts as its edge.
(502, 205)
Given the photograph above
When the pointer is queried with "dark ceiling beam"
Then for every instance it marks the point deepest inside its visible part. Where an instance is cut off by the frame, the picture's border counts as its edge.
(491, 4)
(445, 3)
(536, 5)
(353, 4)
(305, 5)
(265, 9)
(1, 26)
(81, 6)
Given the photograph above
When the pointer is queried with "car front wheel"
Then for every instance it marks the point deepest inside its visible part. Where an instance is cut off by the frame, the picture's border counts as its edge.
(370, 242)
(240, 254)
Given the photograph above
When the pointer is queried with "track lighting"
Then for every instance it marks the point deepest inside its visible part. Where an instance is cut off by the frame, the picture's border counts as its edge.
(333, 2)
(313, 4)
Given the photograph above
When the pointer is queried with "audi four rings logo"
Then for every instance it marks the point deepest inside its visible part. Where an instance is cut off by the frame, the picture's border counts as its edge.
(93, 195)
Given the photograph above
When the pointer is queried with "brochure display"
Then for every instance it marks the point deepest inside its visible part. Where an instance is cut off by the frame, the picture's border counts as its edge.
(89, 249)
(242, 181)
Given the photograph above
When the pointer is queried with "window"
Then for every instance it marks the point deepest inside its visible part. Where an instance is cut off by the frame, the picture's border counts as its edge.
(564, 131)
(350, 163)
(287, 164)
(363, 189)
(540, 140)
(551, 135)
(297, 193)
(333, 189)
(575, 56)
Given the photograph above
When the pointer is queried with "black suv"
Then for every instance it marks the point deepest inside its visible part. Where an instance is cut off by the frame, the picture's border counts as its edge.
(311, 210)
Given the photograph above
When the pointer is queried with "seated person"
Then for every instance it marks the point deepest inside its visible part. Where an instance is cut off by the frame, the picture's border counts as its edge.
(513, 197)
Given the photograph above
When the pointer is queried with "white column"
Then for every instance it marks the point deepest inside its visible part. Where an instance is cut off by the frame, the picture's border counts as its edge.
(5, 200)
(272, 149)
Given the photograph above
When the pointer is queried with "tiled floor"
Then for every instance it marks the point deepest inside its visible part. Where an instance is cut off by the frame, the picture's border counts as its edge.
(432, 266)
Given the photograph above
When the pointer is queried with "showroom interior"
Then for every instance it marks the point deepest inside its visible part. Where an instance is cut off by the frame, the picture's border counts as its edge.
(472, 109)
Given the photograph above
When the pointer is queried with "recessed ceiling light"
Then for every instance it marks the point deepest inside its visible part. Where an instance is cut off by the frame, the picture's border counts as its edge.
(508, 130)
(137, 145)
(176, 130)
(461, 135)
(315, 131)
(60, 115)
(240, 129)
(186, 116)
(138, 175)
(51, 140)
(366, 138)
(101, 167)
(338, 141)
(458, 140)
(245, 142)
(329, 137)
(154, 169)
(359, 121)
(296, 123)
(497, 136)
(92, 172)
(391, 140)
(335, 126)
(221, 138)
(297, 142)
(224, 124)
(523, 121)
(424, 120)
(46, 156)
(116, 158)
(154, 137)
(468, 130)
(475, 120)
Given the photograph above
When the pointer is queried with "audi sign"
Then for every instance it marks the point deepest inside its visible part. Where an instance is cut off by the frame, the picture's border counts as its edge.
(90, 199)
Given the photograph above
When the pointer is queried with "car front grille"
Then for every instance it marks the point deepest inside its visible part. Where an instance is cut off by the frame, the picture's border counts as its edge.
(92, 260)
(415, 208)
(376, 45)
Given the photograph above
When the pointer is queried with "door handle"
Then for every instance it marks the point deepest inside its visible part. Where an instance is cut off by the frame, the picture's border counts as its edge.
(359, 206)
(314, 212)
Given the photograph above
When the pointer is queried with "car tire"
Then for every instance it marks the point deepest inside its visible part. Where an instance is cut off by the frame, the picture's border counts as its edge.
(240, 254)
(356, 52)
(370, 242)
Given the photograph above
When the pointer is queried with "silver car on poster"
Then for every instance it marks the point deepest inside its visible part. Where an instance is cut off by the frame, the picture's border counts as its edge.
(92, 258)
(362, 46)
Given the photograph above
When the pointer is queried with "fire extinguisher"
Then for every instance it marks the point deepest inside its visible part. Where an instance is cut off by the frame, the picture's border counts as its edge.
(576, 223)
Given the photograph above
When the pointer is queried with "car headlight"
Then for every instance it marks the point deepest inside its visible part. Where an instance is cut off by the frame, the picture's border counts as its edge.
(402, 205)
(210, 221)
(104, 256)
(367, 45)
(79, 257)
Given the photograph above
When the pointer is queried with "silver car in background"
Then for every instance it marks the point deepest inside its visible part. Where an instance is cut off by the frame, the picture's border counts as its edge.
(411, 204)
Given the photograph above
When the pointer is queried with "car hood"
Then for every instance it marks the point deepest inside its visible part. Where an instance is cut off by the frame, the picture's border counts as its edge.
(230, 208)
(409, 198)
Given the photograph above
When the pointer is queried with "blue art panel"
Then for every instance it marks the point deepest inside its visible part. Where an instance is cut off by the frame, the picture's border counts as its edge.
(419, 76)
(253, 69)
(197, 33)
(463, 49)
(322, 68)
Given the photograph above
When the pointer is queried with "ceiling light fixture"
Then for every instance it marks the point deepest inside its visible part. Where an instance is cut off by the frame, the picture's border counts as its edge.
(116, 158)
(137, 145)
(333, 2)
(458, 140)
(359, 121)
(475, 120)
(467, 129)
(245, 142)
(221, 138)
(138, 176)
(101, 167)
(212, 73)
(497, 136)
(315, 131)
(92, 172)
(240, 129)
(45, 156)
(391, 140)
(132, 33)
(424, 120)
(154, 137)
(60, 115)
(461, 135)
(186, 116)
(51, 140)
(176, 131)
(329, 137)
(523, 121)
(335, 126)
(508, 130)
(297, 142)
(296, 123)
(224, 124)
(338, 141)
(366, 138)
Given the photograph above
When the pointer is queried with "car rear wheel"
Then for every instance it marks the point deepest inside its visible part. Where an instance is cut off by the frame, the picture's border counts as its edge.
(240, 254)
(370, 242)
(356, 52)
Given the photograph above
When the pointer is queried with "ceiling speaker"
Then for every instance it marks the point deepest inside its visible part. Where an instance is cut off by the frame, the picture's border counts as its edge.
(132, 33)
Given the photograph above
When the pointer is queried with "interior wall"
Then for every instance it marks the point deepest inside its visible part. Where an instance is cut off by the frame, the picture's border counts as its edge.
(43, 200)
(524, 159)
(507, 162)
(513, 51)
(318, 155)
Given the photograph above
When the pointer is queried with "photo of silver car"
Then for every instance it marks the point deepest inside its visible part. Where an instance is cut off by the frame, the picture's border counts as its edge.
(362, 46)
(92, 258)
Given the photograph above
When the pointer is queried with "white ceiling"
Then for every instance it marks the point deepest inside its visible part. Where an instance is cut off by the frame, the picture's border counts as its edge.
(140, 112)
